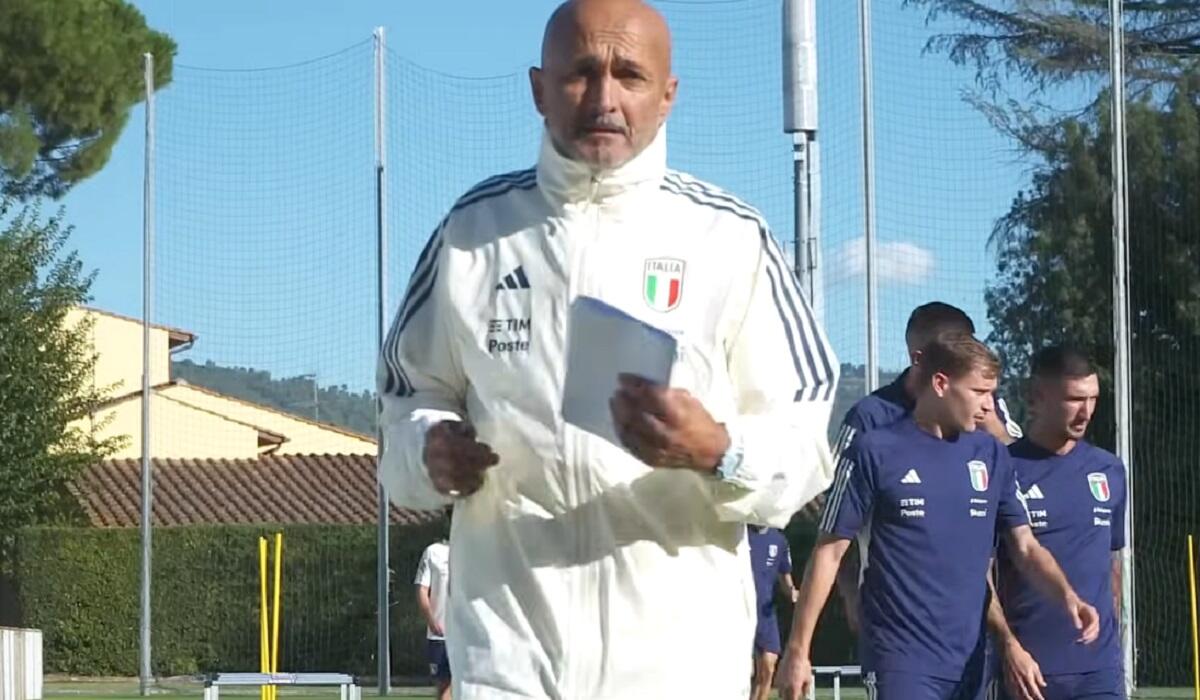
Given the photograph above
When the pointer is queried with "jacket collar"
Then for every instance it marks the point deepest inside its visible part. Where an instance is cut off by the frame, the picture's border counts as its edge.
(567, 181)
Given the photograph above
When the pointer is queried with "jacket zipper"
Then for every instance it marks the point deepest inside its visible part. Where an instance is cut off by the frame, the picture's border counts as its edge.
(579, 629)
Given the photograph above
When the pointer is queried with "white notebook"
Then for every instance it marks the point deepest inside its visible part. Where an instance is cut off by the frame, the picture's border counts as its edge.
(603, 342)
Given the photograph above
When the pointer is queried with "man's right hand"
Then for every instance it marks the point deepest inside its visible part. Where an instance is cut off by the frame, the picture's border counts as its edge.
(1022, 674)
(794, 677)
(455, 460)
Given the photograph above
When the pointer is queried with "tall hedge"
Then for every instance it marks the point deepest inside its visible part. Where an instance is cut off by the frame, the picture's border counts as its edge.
(81, 587)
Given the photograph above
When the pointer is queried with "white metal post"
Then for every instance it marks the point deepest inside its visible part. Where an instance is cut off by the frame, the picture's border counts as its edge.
(868, 117)
(383, 593)
(144, 649)
(1122, 338)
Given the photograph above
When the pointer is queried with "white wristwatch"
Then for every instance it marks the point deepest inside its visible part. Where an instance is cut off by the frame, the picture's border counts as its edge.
(731, 461)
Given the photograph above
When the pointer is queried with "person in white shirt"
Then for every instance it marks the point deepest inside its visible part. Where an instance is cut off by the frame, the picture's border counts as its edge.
(584, 567)
(433, 592)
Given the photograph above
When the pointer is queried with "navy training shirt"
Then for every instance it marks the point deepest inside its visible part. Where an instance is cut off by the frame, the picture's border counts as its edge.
(1077, 509)
(929, 511)
(770, 558)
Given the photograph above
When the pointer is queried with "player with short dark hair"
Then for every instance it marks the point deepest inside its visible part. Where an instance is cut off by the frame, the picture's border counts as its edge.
(1076, 497)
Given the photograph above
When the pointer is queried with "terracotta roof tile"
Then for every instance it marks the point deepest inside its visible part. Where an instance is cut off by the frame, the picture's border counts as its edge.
(331, 489)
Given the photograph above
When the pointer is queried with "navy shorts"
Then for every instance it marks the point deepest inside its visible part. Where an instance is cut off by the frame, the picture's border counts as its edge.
(896, 685)
(439, 661)
(993, 678)
(1106, 684)
(766, 636)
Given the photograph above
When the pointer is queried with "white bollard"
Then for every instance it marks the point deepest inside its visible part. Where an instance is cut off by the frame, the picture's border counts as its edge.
(20, 664)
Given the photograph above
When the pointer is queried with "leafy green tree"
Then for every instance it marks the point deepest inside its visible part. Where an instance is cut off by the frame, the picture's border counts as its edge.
(70, 72)
(1051, 42)
(46, 371)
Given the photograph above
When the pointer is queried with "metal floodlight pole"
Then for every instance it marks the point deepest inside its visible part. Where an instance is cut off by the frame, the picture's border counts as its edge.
(800, 120)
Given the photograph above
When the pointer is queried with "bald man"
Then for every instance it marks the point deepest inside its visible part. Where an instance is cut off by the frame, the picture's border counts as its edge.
(588, 566)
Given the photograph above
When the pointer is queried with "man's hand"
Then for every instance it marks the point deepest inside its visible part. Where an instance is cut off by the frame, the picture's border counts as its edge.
(1022, 674)
(666, 427)
(1036, 562)
(995, 427)
(794, 677)
(437, 630)
(1085, 618)
(455, 460)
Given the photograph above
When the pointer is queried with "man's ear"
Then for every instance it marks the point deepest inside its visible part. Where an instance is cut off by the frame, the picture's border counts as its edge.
(941, 383)
(1034, 396)
(668, 100)
(535, 87)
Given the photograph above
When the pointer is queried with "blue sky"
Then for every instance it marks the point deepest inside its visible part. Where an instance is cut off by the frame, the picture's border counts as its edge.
(265, 197)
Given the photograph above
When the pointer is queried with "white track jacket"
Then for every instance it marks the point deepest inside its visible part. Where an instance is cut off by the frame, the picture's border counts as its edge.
(580, 573)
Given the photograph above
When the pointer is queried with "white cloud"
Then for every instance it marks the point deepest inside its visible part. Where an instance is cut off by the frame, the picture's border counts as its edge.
(897, 262)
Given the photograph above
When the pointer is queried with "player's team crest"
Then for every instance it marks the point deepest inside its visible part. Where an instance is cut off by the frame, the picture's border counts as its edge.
(662, 283)
(1098, 482)
(979, 475)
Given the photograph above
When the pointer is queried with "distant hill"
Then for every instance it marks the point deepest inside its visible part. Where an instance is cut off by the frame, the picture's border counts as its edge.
(334, 404)
(356, 411)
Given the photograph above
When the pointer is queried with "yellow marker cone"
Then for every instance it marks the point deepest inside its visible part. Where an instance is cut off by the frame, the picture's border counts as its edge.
(263, 640)
(275, 610)
(1195, 635)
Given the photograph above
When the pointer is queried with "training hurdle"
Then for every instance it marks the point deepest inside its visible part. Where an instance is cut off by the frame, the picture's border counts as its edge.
(837, 672)
(348, 685)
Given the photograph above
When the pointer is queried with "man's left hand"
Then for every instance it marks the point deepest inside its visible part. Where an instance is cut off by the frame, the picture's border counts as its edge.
(1085, 619)
(666, 427)
(1022, 675)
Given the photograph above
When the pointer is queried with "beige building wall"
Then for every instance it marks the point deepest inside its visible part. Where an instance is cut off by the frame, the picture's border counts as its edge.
(119, 344)
(188, 421)
(303, 436)
(177, 431)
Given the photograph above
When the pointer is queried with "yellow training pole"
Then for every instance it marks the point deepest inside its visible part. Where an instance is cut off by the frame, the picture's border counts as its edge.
(275, 610)
(263, 640)
(1195, 636)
